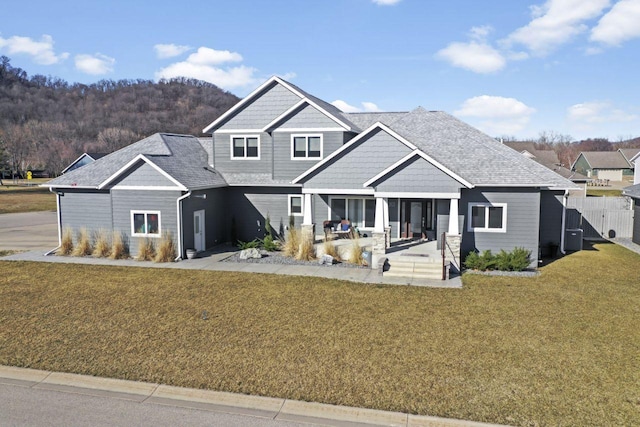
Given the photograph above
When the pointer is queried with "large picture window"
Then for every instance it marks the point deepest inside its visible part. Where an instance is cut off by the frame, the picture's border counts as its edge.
(359, 211)
(245, 147)
(145, 223)
(488, 217)
(306, 147)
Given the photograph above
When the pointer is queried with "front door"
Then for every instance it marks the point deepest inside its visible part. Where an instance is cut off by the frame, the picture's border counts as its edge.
(416, 218)
(198, 231)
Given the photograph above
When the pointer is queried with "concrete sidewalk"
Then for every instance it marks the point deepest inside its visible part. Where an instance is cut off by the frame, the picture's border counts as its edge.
(230, 403)
(213, 262)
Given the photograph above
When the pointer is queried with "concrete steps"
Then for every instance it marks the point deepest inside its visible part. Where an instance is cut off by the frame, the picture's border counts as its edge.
(415, 267)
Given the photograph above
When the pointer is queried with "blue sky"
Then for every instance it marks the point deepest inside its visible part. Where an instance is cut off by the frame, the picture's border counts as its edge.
(507, 67)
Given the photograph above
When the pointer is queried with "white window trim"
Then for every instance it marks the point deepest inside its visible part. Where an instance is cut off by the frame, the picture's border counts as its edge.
(347, 198)
(291, 196)
(486, 228)
(307, 135)
(232, 157)
(133, 230)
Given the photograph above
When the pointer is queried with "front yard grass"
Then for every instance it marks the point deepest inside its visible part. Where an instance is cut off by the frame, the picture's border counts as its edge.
(20, 198)
(559, 349)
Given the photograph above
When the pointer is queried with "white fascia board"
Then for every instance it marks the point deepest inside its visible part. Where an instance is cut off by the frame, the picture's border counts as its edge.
(241, 103)
(416, 195)
(346, 146)
(225, 131)
(290, 110)
(76, 161)
(149, 162)
(426, 157)
(278, 185)
(302, 130)
(145, 188)
(70, 186)
(365, 192)
(634, 158)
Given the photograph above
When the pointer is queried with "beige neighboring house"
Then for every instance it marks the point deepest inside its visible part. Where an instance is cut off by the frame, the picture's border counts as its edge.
(633, 154)
(607, 165)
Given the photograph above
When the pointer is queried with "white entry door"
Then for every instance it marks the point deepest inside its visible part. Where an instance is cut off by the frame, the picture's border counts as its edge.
(198, 230)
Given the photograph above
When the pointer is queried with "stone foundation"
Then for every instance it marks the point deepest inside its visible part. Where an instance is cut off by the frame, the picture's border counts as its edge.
(452, 250)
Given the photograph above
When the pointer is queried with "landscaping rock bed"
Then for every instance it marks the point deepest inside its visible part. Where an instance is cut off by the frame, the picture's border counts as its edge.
(525, 273)
(278, 258)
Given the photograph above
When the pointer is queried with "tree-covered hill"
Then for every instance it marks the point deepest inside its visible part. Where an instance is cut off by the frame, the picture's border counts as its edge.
(46, 122)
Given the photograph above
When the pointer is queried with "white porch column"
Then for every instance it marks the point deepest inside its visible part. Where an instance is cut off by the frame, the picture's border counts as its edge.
(453, 218)
(380, 219)
(385, 206)
(307, 210)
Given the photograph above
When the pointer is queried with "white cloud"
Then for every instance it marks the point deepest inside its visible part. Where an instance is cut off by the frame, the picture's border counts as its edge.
(41, 51)
(554, 23)
(94, 64)
(369, 107)
(480, 33)
(170, 50)
(620, 24)
(473, 56)
(386, 2)
(497, 115)
(594, 112)
(208, 64)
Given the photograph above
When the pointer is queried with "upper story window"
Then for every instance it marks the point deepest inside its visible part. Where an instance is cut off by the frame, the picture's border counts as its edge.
(306, 147)
(488, 217)
(245, 147)
(145, 223)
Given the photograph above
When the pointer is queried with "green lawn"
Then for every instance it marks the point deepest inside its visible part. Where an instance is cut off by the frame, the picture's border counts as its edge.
(23, 198)
(558, 349)
(599, 192)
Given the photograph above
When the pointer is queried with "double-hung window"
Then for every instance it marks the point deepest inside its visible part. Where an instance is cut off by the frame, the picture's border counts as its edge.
(295, 205)
(245, 147)
(145, 223)
(306, 147)
(488, 217)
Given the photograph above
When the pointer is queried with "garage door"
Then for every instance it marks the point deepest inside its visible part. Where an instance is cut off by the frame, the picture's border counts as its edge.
(610, 174)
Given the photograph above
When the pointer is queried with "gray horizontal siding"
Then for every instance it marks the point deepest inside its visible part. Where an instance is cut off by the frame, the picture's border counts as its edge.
(216, 212)
(143, 174)
(308, 117)
(287, 169)
(224, 163)
(266, 107)
(523, 220)
(359, 163)
(125, 201)
(86, 209)
(418, 175)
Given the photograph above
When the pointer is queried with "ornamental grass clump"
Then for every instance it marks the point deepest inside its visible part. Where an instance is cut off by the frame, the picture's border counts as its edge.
(66, 246)
(166, 249)
(355, 255)
(307, 251)
(146, 250)
(330, 249)
(102, 246)
(83, 247)
(291, 244)
(119, 249)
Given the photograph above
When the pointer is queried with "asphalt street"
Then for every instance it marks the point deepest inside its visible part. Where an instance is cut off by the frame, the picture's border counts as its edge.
(24, 406)
(29, 231)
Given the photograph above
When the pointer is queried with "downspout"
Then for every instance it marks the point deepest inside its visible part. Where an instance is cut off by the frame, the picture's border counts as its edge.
(564, 221)
(179, 216)
(59, 223)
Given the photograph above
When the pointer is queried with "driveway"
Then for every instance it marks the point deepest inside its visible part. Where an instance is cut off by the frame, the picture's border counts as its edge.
(29, 231)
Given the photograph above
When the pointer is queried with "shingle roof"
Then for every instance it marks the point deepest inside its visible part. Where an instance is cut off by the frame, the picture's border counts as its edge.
(606, 160)
(476, 157)
(180, 156)
(365, 120)
(633, 191)
(629, 153)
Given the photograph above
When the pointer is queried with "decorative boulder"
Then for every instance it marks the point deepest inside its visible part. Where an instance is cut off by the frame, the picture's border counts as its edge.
(326, 260)
(250, 253)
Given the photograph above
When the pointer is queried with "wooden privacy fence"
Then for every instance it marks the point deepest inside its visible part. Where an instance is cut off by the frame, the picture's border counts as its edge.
(599, 217)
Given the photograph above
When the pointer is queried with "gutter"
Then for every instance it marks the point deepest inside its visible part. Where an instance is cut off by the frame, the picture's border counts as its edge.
(59, 223)
(564, 221)
(179, 212)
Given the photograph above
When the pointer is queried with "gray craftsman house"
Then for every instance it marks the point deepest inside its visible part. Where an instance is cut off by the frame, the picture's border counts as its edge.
(283, 153)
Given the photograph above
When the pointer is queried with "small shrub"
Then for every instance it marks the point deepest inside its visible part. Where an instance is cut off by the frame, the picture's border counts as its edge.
(291, 245)
(83, 247)
(255, 243)
(330, 249)
(482, 262)
(269, 244)
(119, 249)
(66, 246)
(355, 255)
(307, 251)
(166, 249)
(516, 260)
(146, 250)
(102, 246)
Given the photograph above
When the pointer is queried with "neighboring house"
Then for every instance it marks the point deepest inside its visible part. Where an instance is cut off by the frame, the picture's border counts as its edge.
(636, 171)
(282, 153)
(611, 165)
(634, 193)
(549, 159)
(84, 159)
